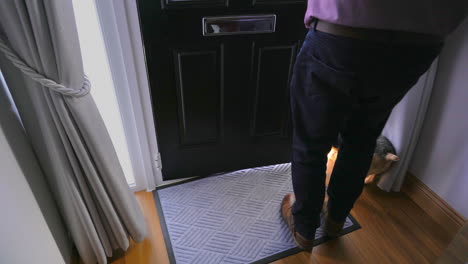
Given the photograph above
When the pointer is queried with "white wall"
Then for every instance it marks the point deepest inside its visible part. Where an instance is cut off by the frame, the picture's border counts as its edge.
(441, 156)
(28, 214)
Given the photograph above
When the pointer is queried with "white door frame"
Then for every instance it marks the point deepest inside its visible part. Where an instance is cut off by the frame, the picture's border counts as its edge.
(122, 36)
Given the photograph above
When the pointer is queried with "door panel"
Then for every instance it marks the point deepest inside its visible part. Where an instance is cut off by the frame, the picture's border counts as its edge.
(220, 102)
(272, 69)
(200, 90)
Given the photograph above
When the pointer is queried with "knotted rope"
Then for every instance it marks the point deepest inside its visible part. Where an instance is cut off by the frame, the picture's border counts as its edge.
(43, 80)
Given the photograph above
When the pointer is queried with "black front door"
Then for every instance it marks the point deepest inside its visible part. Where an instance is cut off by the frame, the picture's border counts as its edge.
(219, 73)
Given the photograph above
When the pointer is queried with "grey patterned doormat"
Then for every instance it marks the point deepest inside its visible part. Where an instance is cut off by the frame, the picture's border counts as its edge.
(230, 218)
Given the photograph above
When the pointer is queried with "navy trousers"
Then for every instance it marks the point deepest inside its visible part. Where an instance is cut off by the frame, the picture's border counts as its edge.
(344, 86)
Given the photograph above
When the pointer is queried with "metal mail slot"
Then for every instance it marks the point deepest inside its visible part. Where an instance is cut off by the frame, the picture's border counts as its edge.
(236, 25)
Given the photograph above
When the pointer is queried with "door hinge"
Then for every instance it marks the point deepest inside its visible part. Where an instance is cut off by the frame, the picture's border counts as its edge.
(157, 161)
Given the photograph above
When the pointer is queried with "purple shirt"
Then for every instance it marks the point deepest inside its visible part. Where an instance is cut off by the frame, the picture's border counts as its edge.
(436, 17)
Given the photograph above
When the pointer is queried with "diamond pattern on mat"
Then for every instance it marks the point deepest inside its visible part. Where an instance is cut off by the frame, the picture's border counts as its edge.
(197, 185)
(272, 248)
(274, 180)
(177, 230)
(252, 177)
(278, 197)
(206, 257)
(203, 200)
(184, 254)
(221, 184)
(240, 189)
(284, 168)
(248, 248)
(347, 223)
(319, 233)
(262, 193)
(283, 234)
(270, 212)
(227, 204)
(236, 260)
(211, 220)
(222, 242)
(250, 208)
(235, 174)
(262, 229)
(287, 187)
(188, 215)
(195, 237)
(172, 209)
(238, 224)
(231, 218)
(181, 196)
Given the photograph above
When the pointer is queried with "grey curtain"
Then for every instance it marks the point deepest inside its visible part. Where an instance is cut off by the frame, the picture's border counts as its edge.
(67, 132)
(404, 127)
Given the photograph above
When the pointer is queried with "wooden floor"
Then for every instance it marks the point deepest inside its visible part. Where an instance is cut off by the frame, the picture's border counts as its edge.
(457, 251)
(394, 230)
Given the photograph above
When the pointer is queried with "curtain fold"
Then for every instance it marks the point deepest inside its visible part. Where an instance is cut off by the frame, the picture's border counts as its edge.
(404, 127)
(68, 133)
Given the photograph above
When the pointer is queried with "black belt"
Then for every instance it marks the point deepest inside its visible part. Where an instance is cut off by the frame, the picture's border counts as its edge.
(379, 35)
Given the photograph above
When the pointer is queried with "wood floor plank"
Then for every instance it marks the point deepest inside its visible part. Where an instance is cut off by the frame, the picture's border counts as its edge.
(412, 221)
(395, 232)
(153, 248)
(306, 258)
(433, 205)
(294, 259)
(457, 251)
(340, 250)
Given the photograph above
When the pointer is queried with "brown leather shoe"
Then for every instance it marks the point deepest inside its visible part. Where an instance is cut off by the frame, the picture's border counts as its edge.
(286, 205)
(331, 227)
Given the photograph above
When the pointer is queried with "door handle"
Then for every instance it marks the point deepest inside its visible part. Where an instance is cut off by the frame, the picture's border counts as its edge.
(237, 25)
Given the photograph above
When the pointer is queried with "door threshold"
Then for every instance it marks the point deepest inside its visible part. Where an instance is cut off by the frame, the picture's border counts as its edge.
(172, 182)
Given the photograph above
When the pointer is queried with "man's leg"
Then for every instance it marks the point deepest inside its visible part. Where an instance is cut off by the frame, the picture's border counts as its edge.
(383, 89)
(359, 135)
(318, 110)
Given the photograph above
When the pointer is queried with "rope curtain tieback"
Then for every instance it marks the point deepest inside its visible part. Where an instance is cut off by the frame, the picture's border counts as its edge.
(43, 80)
